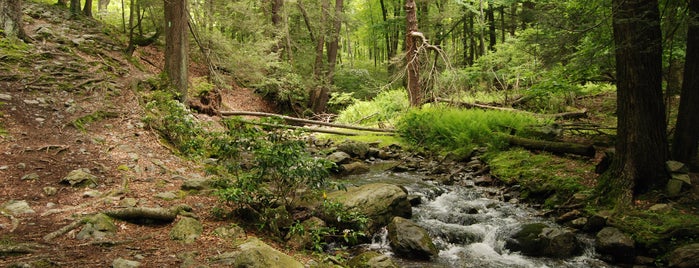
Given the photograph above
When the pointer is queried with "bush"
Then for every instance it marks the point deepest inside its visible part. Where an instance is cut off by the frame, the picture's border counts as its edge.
(174, 122)
(385, 109)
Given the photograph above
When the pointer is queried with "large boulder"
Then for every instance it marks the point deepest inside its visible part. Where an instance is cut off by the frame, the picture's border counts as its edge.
(371, 259)
(410, 240)
(355, 149)
(256, 253)
(614, 245)
(379, 201)
(540, 240)
(187, 230)
(685, 256)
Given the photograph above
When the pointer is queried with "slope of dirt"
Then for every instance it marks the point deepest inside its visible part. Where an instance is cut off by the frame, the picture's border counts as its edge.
(70, 103)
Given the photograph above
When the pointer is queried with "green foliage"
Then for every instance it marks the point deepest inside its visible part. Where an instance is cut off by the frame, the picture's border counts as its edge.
(448, 129)
(659, 230)
(384, 109)
(82, 122)
(283, 86)
(13, 50)
(359, 82)
(543, 177)
(175, 123)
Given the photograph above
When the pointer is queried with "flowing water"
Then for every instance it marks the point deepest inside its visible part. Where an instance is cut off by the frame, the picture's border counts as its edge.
(468, 227)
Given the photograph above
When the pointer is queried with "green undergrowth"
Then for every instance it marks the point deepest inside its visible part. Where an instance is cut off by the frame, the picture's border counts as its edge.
(83, 122)
(543, 177)
(383, 111)
(659, 231)
(456, 130)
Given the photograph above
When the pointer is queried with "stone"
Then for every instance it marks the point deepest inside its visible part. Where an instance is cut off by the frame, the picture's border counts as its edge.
(304, 240)
(372, 259)
(615, 245)
(685, 256)
(256, 253)
(233, 233)
(196, 184)
(128, 202)
(124, 263)
(50, 191)
(355, 168)
(379, 201)
(187, 230)
(166, 195)
(80, 178)
(339, 158)
(660, 208)
(354, 149)
(97, 227)
(578, 223)
(409, 240)
(5, 97)
(683, 178)
(91, 194)
(674, 187)
(540, 240)
(676, 167)
(30, 177)
(17, 207)
(570, 215)
(595, 223)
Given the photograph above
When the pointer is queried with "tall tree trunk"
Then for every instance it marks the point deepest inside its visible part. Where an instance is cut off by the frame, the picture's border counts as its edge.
(11, 19)
(641, 147)
(492, 34)
(87, 9)
(527, 14)
(686, 139)
(319, 66)
(102, 6)
(413, 63)
(321, 102)
(176, 45)
(74, 7)
(481, 30)
(513, 18)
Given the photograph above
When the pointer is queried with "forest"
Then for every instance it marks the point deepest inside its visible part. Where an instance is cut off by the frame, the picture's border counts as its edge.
(349, 133)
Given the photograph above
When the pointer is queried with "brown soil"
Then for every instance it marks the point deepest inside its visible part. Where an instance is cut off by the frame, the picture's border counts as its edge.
(129, 159)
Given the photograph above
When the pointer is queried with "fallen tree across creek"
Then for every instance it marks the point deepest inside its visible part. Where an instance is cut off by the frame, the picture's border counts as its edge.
(306, 121)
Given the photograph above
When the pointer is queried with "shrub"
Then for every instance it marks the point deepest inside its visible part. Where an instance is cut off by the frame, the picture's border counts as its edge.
(384, 109)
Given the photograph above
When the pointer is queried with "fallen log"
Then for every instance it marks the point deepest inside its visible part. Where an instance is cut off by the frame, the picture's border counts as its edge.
(308, 129)
(552, 146)
(148, 214)
(305, 121)
(564, 115)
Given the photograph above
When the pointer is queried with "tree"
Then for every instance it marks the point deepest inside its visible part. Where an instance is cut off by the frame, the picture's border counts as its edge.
(686, 139)
(176, 45)
(641, 146)
(413, 62)
(87, 9)
(11, 19)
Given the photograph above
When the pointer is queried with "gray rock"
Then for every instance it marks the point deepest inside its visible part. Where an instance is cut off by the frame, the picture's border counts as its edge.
(339, 157)
(540, 240)
(674, 187)
(196, 184)
(372, 259)
(379, 201)
(355, 149)
(355, 168)
(128, 202)
(676, 167)
(124, 263)
(683, 178)
(17, 207)
(97, 227)
(256, 253)
(80, 177)
(50, 191)
(615, 245)
(595, 223)
(410, 240)
(166, 195)
(187, 230)
(30, 177)
(5, 97)
(660, 208)
(685, 256)
(233, 233)
(578, 223)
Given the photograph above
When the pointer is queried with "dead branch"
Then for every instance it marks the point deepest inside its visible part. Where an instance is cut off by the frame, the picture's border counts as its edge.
(305, 121)
(565, 115)
(308, 129)
(552, 146)
(64, 229)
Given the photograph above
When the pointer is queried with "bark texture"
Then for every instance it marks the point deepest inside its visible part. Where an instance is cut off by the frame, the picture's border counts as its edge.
(11, 19)
(413, 63)
(176, 45)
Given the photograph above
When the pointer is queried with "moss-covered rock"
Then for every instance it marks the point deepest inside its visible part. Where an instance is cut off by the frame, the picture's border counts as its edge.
(187, 230)
(410, 240)
(378, 201)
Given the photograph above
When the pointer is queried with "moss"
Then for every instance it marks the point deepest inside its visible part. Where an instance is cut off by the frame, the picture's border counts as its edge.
(657, 233)
(82, 122)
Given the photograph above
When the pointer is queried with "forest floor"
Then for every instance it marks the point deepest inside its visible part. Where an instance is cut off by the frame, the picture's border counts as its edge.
(68, 101)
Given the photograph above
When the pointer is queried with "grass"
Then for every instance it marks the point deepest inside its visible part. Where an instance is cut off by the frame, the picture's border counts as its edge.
(659, 230)
(383, 111)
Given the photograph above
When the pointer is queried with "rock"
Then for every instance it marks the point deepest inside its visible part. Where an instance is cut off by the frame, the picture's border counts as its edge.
(17, 207)
(355, 168)
(304, 240)
(124, 263)
(339, 157)
(186, 229)
(683, 178)
(166, 195)
(196, 184)
(44, 31)
(570, 215)
(91, 194)
(676, 167)
(371, 259)
(233, 233)
(49, 191)
(128, 202)
(595, 223)
(685, 256)
(379, 201)
(660, 208)
(578, 223)
(540, 240)
(354, 149)
(256, 253)
(674, 187)
(80, 178)
(97, 227)
(30, 177)
(5, 97)
(615, 245)
(409, 240)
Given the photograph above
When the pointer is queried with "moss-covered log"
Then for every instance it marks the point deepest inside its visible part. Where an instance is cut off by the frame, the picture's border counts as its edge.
(552, 146)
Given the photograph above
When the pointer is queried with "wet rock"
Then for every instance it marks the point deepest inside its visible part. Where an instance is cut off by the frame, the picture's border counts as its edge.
(379, 201)
(595, 223)
(124, 263)
(685, 256)
(578, 223)
(16, 207)
(614, 245)
(410, 240)
(483, 180)
(256, 253)
(339, 158)
(80, 178)
(355, 168)
(355, 149)
(187, 230)
(568, 216)
(540, 240)
(372, 259)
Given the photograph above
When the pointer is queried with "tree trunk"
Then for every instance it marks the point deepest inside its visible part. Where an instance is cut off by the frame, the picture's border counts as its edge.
(102, 6)
(87, 9)
(641, 147)
(75, 7)
(11, 19)
(686, 139)
(413, 63)
(492, 34)
(176, 45)
(319, 66)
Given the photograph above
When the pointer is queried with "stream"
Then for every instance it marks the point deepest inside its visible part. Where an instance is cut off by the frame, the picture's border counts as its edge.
(467, 227)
